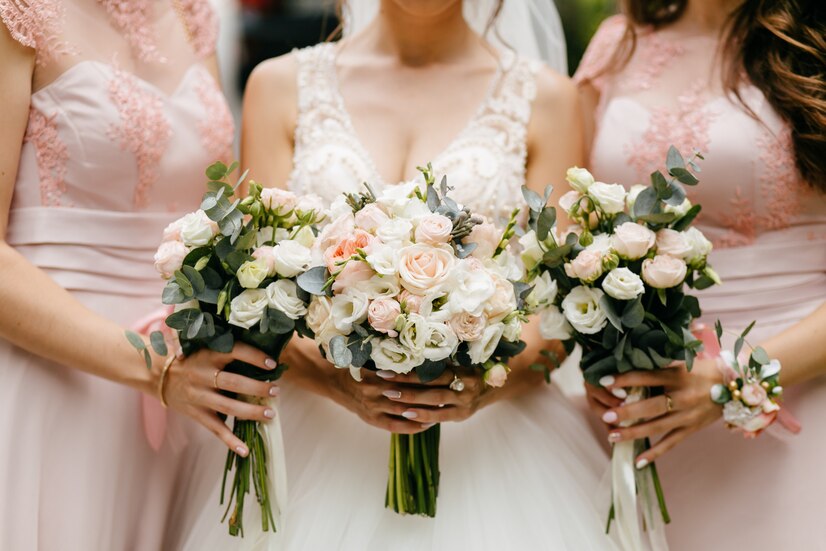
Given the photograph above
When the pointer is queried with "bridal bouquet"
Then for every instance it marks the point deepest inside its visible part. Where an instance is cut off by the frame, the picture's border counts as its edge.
(615, 284)
(231, 269)
(412, 282)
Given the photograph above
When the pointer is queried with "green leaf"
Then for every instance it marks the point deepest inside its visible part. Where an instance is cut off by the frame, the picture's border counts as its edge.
(685, 176)
(692, 305)
(147, 359)
(314, 280)
(738, 346)
(556, 256)
(247, 240)
(673, 159)
(430, 370)
(703, 282)
(182, 319)
(646, 201)
(195, 278)
(222, 343)
(210, 200)
(607, 306)
(172, 294)
(212, 279)
(748, 329)
(184, 284)
(660, 185)
(640, 359)
(659, 360)
(361, 350)
(549, 189)
(340, 354)
(663, 296)
(158, 343)
(135, 340)
(718, 328)
(232, 224)
(760, 355)
(280, 323)
(201, 263)
(683, 223)
(534, 200)
(594, 372)
(432, 199)
(676, 194)
(236, 259)
(658, 217)
(241, 178)
(633, 314)
(195, 326)
(546, 221)
(216, 171)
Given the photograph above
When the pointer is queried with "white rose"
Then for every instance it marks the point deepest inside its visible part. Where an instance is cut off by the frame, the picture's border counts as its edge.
(197, 229)
(291, 258)
(699, 246)
(680, 210)
(513, 329)
(472, 289)
(582, 310)
(253, 272)
(609, 197)
(623, 284)
(543, 293)
(349, 308)
(663, 271)
(531, 251)
(397, 231)
(384, 259)
(467, 327)
(247, 309)
(579, 178)
(481, 350)
(305, 236)
(278, 200)
(553, 325)
(391, 355)
(422, 268)
(673, 243)
(415, 209)
(371, 217)
(601, 244)
(496, 376)
(503, 301)
(571, 198)
(433, 229)
(632, 241)
(170, 257)
(319, 318)
(440, 341)
(283, 295)
(310, 203)
(631, 198)
(395, 198)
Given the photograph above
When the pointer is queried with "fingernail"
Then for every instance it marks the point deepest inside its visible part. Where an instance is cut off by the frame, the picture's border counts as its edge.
(642, 463)
(270, 363)
(269, 413)
(619, 393)
(392, 394)
(428, 425)
(410, 414)
(274, 391)
(242, 451)
(385, 374)
(614, 436)
(608, 380)
(610, 417)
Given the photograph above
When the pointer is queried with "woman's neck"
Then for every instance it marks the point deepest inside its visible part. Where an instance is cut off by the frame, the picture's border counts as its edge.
(706, 16)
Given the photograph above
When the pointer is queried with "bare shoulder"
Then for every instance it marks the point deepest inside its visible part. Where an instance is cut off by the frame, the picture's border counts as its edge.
(555, 93)
(272, 86)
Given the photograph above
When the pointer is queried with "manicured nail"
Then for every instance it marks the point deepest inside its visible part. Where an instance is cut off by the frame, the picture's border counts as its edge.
(608, 380)
(269, 413)
(385, 374)
(428, 425)
(274, 391)
(242, 451)
(642, 463)
(614, 437)
(619, 393)
(392, 394)
(270, 363)
(610, 417)
(410, 414)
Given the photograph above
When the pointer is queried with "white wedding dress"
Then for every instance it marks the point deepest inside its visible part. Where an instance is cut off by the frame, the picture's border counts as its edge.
(518, 475)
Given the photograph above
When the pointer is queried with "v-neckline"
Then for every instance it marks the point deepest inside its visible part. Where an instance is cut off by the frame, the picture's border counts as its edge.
(358, 144)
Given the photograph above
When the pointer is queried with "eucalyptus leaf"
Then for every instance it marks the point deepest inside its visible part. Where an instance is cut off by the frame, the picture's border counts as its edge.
(692, 305)
(633, 314)
(236, 259)
(361, 350)
(216, 171)
(183, 283)
(546, 221)
(645, 202)
(464, 250)
(135, 340)
(703, 282)
(685, 176)
(683, 223)
(658, 217)
(195, 278)
(172, 293)
(430, 370)
(158, 343)
(210, 200)
(240, 178)
(660, 185)
(748, 329)
(594, 372)
(534, 200)
(223, 342)
(280, 323)
(147, 359)
(314, 280)
(549, 189)
(659, 360)
(761, 356)
(182, 319)
(212, 279)
(194, 328)
(673, 159)
(340, 354)
(677, 194)
(640, 359)
(738, 346)
(432, 199)
(718, 329)
(607, 306)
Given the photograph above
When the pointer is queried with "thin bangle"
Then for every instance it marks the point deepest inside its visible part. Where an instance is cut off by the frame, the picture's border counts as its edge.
(162, 382)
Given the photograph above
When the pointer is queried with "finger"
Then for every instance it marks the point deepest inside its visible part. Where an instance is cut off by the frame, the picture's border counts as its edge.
(237, 408)
(248, 354)
(602, 396)
(651, 428)
(398, 425)
(596, 407)
(647, 378)
(644, 409)
(657, 450)
(428, 397)
(429, 416)
(219, 429)
(233, 382)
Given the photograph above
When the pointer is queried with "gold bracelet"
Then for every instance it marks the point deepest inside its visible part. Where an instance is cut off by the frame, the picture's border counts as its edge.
(162, 383)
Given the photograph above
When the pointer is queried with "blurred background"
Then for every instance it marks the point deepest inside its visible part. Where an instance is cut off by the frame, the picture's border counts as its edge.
(255, 30)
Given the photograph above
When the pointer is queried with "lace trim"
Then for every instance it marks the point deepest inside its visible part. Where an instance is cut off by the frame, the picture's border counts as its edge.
(599, 52)
(144, 129)
(36, 24)
(51, 155)
(133, 19)
(202, 26)
(217, 127)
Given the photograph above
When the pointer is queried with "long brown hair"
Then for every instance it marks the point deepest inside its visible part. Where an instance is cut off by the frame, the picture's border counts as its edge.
(779, 46)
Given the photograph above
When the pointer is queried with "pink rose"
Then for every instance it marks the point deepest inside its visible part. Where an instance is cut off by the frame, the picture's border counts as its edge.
(353, 273)
(487, 238)
(173, 231)
(335, 231)
(632, 241)
(422, 268)
(310, 202)
(279, 200)
(753, 394)
(433, 229)
(673, 243)
(503, 301)
(412, 303)
(587, 266)
(336, 255)
(496, 375)
(663, 271)
(170, 257)
(371, 217)
(265, 252)
(467, 327)
(382, 314)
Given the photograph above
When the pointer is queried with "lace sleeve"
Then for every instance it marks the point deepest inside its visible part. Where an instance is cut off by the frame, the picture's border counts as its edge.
(592, 68)
(34, 23)
(202, 26)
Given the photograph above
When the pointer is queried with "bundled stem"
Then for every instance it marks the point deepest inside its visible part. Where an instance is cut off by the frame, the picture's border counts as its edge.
(413, 477)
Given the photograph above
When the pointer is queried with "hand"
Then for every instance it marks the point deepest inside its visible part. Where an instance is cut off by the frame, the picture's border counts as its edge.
(692, 408)
(190, 388)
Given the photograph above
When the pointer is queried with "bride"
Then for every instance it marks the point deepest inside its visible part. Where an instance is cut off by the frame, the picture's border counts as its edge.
(414, 82)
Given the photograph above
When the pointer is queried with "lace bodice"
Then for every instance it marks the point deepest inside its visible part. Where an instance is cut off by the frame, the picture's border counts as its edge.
(485, 163)
(670, 92)
(124, 115)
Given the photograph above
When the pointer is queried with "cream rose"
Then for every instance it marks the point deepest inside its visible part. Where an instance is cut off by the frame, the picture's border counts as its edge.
(310, 203)
(391, 355)
(582, 310)
(609, 197)
(422, 268)
(347, 309)
(467, 327)
(623, 284)
(753, 394)
(336, 255)
(336, 231)
(264, 253)
(487, 237)
(382, 314)
(410, 303)
(496, 376)
(351, 275)
(305, 237)
(319, 318)
(247, 309)
(384, 259)
(197, 229)
(673, 243)
(440, 341)
(433, 229)
(173, 231)
(371, 217)
(480, 350)
(503, 301)
(587, 266)
(291, 258)
(283, 295)
(252, 273)
(278, 200)
(170, 257)
(663, 271)
(632, 241)
(472, 289)
(553, 325)
(579, 178)
(699, 245)
(395, 232)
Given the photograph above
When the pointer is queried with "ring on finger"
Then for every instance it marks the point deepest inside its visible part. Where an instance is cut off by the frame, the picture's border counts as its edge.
(215, 378)
(669, 403)
(457, 385)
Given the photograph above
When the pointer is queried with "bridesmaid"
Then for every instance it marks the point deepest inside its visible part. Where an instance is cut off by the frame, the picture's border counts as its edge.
(743, 81)
(110, 113)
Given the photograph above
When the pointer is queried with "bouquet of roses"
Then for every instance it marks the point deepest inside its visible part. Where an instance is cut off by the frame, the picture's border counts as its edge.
(231, 269)
(412, 282)
(614, 284)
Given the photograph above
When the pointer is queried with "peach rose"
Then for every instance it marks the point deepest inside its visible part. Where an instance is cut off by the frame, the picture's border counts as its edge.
(337, 230)
(753, 394)
(433, 229)
(353, 272)
(503, 301)
(496, 375)
(587, 266)
(663, 271)
(371, 217)
(467, 327)
(382, 314)
(170, 257)
(487, 237)
(422, 268)
(412, 303)
(335, 255)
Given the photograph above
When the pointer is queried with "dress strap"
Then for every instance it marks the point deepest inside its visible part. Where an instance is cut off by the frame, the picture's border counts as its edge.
(593, 69)
(36, 24)
(201, 23)
(316, 81)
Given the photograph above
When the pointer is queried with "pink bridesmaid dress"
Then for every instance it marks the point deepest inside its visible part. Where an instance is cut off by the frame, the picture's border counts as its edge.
(769, 232)
(124, 117)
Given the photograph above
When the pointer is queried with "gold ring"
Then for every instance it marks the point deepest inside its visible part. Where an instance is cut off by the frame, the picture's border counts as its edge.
(669, 403)
(215, 379)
